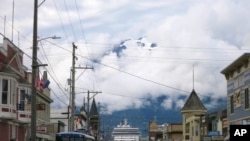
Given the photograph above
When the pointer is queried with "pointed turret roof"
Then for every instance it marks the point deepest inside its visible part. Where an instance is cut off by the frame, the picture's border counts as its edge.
(193, 103)
(93, 109)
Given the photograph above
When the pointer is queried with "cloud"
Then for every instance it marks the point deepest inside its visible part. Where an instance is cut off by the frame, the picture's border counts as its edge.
(195, 41)
(167, 104)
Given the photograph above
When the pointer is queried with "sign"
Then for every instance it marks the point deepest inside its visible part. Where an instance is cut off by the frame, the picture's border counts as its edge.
(239, 132)
(41, 129)
(213, 133)
(40, 107)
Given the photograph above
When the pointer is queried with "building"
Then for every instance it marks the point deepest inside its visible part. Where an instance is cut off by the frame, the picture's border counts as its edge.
(155, 131)
(94, 123)
(238, 84)
(62, 116)
(172, 132)
(14, 108)
(212, 126)
(15, 97)
(192, 112)
(124, 132)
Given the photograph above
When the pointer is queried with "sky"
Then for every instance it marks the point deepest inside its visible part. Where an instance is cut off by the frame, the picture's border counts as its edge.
(136, 50)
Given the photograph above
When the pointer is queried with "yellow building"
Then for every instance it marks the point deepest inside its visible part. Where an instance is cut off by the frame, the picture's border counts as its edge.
(192, 113)
(173, 132)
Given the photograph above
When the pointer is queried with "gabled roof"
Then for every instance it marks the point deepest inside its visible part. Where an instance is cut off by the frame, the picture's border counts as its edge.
(193, 103)
(93, 109)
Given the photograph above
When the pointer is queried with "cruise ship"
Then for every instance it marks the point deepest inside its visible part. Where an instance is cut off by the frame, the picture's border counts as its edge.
(124, 132)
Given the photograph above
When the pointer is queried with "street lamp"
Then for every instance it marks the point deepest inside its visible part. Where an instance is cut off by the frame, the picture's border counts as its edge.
(51, 37)
(35, 67)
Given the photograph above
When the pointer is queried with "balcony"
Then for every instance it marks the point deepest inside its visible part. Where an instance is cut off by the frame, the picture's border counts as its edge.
(23, 113)
(24, 116)
(7, 112)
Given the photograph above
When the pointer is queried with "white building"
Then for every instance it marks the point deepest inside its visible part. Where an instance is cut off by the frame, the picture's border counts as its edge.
(124, 132)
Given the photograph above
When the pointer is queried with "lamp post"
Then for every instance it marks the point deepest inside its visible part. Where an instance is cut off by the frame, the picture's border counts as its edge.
(35, 67)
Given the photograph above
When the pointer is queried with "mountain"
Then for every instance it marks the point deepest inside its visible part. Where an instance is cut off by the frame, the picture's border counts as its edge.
(141, 117)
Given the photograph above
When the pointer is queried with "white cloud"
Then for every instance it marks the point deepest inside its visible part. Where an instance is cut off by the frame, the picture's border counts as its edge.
(167, 104)
(206, 34)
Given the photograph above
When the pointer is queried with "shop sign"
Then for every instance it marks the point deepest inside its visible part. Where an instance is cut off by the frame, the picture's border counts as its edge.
(40, 107)
(41, 129)
(213, 133)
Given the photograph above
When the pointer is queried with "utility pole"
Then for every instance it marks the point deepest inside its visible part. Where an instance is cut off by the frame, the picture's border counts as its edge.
(72, 99)
(34, 71)
(73, 88)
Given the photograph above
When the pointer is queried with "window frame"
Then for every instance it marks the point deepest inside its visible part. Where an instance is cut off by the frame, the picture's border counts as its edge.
(246, 96)
(231, 104)
(4, 99)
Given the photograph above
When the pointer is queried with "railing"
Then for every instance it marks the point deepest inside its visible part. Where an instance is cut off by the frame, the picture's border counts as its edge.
(7, 111)
(24, 116)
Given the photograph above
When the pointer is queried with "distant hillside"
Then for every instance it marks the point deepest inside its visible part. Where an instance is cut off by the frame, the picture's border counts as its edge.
(141, 117)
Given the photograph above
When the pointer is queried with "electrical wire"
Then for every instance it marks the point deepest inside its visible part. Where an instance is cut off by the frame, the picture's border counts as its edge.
(53, 75)
(72, 28)
(58, 13)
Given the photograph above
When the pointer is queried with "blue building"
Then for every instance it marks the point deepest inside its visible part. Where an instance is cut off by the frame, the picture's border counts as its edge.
(237, 75)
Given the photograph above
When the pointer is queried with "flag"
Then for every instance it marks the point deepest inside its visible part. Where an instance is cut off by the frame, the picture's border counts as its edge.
(28, 97)
(37, 79)
(46, 84)
(41, 85)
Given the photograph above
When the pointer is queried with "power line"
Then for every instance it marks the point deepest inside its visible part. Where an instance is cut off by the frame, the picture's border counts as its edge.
(73, 31)
(61, 21)
(139, 77)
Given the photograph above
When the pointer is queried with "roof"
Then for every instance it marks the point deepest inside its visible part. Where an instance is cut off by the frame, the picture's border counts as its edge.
(93, 109)
(153, 126)
(237, 63)
(193, 103)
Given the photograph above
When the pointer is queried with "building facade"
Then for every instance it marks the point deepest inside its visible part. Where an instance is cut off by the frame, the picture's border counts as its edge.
(173, 132)
(155, 131)
(94, 120)
(192, 113)
(237, 75)
(15, 97)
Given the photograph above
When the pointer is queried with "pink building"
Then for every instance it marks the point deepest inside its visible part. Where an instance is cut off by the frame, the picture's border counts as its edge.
(15, 93)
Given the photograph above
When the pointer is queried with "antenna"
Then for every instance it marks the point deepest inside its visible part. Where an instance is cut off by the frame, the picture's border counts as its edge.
(193, 76)
(4, 25)
(12, 20)
(18, 39)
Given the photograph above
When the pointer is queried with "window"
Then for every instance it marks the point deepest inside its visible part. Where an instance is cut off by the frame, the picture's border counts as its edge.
(196, 131)
(22, 97)
(246, 98)
(187, 127)
(5, 89)
(232, 104)
(22, 100)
